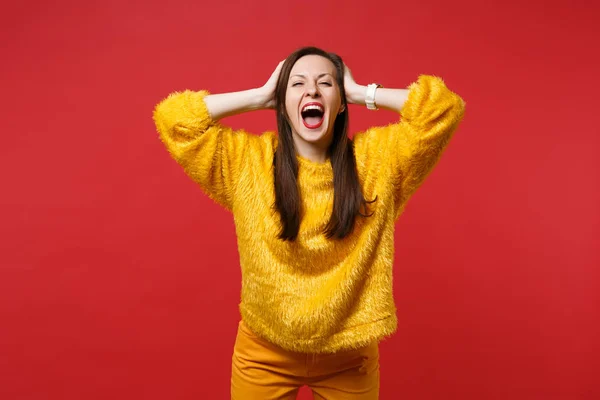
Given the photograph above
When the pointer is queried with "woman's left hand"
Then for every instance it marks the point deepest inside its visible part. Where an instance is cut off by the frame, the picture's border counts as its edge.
(350, 86)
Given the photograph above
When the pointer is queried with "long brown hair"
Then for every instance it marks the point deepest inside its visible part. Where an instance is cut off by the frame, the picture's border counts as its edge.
(348, 196)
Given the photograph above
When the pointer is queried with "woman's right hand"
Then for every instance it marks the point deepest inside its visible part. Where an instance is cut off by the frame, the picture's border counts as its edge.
(268, 89)
(227, 104)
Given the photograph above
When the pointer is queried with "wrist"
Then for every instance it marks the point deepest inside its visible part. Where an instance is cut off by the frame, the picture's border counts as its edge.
(260, 98)
(359, 94)
(356, 94)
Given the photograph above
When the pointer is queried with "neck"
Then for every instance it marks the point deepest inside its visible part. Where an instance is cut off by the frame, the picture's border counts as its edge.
(311, 151)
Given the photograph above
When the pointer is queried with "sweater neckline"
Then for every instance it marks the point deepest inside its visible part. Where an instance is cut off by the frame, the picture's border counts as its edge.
(315, 173)
(313, 164)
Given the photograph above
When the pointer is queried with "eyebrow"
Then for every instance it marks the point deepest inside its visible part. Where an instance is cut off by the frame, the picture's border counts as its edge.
(318, 77)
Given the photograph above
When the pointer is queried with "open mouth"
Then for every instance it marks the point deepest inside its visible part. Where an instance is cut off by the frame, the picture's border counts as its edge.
(312, 115)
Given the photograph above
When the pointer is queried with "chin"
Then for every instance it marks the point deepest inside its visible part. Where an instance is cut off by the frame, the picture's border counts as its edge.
(313, 136)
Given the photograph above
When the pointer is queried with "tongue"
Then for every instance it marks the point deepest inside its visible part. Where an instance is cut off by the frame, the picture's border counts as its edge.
(313, 120)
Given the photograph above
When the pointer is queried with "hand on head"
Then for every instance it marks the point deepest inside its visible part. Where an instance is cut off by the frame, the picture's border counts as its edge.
(350, 84)
(269, 88)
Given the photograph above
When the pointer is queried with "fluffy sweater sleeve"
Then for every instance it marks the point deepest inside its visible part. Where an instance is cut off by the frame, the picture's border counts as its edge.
(210, 153)
(410, 149)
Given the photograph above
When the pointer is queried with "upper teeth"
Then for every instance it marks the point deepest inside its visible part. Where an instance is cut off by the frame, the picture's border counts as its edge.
(313, 107)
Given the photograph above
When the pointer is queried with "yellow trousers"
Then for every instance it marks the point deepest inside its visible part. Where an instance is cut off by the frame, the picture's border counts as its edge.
(263, 371)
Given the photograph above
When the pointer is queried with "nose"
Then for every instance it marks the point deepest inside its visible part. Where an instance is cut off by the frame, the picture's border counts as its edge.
(312, 90)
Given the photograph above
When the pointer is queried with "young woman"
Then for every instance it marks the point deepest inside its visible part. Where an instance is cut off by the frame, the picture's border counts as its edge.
(314, 213)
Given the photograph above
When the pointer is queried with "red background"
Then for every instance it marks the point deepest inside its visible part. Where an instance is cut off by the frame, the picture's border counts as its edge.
(119, 279)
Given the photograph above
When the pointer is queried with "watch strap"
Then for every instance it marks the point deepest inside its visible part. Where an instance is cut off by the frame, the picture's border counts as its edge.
(370, 96)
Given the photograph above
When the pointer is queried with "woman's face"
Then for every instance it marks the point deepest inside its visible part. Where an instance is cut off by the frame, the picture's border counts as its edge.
(313, 102)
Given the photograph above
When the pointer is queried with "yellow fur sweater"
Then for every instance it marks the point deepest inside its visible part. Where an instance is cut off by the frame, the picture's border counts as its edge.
(314, 295)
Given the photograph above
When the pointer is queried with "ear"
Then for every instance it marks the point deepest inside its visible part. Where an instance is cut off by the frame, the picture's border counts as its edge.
(342, 109)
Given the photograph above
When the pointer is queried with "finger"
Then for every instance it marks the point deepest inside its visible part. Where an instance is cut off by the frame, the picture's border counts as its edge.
(275, 73)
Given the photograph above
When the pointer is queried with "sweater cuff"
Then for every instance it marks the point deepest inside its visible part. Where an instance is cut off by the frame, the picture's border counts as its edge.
(196, 105)
(183, 114)
(427, 96)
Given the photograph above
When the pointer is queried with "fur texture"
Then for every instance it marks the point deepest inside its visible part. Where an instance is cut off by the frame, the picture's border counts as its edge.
(314, 295)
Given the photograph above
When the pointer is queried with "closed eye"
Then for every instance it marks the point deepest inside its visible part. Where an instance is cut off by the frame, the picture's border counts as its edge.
(326, 83)
(297, 84)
